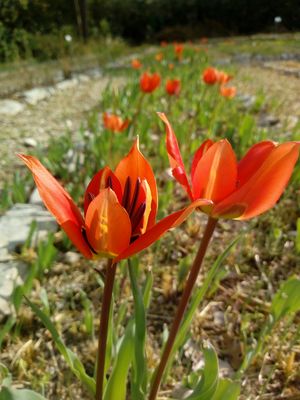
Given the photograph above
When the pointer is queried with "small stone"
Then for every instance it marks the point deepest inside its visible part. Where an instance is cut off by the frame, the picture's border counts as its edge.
(71, 257)
(219, 318)
(35, 197)
(82, 78)
(247, 101)
(35, 95)
(67, 84)
(268, 120)
(225, 369)
(30, 142)
(10, 107)
(95, 73)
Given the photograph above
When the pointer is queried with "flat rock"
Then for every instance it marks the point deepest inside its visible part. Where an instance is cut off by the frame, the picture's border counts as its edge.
(15, 225)
(35, 95)
(10, 107)
(66, 84)
(12, 274)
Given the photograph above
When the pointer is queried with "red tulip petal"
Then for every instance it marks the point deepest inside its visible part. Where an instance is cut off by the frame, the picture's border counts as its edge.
(216, 172)
(135, 166)
(108, 227)
(253, 160)
(199, 154)
(145, 83)
(124, 125)
(175, 158)
(59, 203)
(99, 182)
(154, 233)
(155, 81)
(265, 186)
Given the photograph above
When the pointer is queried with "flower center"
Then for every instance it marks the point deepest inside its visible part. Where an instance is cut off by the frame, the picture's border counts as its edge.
(130, 203)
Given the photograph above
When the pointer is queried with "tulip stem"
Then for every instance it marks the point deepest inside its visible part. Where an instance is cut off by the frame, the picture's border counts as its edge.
(137, 112)
(158, 374)
(103, 329)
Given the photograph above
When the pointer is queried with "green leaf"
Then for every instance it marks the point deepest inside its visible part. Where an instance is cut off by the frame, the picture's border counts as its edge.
(287, 299)
(227, 389)
(208, 383)
(139, 382)
(71, 358)
(117, 383)
(8, 393)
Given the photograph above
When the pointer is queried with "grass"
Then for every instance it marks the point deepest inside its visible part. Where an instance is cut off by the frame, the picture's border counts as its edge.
(239, 299)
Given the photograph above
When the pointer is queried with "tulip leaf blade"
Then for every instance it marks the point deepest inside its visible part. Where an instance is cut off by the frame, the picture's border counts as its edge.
(117, 383)
(227, 389)
(287, 299)
(139, 381)
(9, 393)
(208, 382)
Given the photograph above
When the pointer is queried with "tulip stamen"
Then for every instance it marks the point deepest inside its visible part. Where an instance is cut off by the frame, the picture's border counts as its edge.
(109, 183)
(126, 195)
(84, 235)
(137, 216)
(135, 197)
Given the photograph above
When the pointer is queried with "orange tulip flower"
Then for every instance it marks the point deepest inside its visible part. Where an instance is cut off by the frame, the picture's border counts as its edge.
(223, 77)
(114, 123)
(148, 82)
(173, 87)
(210, 76)
(119, 208)
(163, 43)
(178, 48)
(136, 64)
(159, 56)
(228, 91)
(238, 190)
(171, 66)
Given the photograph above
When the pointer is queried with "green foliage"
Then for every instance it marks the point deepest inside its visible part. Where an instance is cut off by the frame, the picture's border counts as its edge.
(69, 356)
(8, 392)
(287, 299)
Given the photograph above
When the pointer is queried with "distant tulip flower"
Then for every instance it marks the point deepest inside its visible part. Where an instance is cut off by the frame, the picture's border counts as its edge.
(223, 77)
(238, 190)
(136, 64)
(171, 66)
(204, 40)
(228, 91)
(119, 208)
(178, 49)
(114, 123)
(173, 87)
(148, 82)
(210, 76)
(163, 43)
(159, 57)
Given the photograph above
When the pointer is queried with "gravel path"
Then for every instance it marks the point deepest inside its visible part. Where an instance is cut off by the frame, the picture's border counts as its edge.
(49, 117)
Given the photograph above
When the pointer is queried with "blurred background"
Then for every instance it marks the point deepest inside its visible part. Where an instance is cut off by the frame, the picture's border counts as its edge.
(44, 29)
